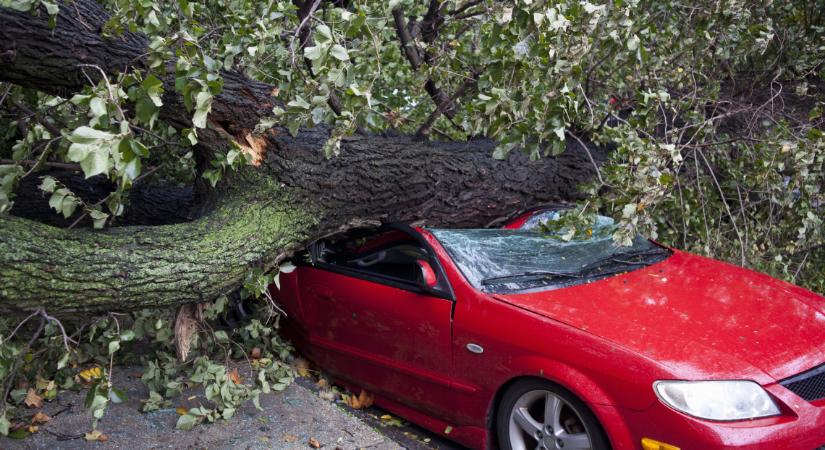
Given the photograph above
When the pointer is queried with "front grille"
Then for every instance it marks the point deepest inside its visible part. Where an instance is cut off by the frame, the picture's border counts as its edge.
(809, 385)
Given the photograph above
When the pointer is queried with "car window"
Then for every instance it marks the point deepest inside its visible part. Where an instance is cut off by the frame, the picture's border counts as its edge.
(500, 260)
(389, 255)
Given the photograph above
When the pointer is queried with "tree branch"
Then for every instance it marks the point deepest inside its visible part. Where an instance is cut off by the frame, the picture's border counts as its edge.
(424, 130)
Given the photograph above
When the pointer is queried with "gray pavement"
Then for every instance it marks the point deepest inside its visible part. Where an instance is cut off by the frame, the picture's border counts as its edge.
(289, 420)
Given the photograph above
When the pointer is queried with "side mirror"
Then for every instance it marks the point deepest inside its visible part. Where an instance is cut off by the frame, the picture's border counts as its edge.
(428, 279)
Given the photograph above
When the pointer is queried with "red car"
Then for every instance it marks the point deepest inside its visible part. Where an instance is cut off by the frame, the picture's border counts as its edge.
(516, 339)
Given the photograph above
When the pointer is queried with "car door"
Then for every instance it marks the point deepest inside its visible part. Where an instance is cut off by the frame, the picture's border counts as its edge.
(374, 325)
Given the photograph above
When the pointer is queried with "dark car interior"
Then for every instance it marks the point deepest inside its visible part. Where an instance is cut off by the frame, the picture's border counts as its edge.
(391, 254)
(387, 255)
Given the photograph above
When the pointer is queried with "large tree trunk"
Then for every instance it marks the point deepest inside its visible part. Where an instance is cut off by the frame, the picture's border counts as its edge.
(259, 215)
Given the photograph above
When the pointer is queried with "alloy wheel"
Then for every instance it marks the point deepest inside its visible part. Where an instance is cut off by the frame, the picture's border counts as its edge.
(541, 420)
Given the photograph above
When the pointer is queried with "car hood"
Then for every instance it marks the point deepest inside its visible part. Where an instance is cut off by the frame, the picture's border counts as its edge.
(697, 317)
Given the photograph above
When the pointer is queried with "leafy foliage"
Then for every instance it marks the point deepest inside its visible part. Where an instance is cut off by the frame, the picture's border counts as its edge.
(37, 368)
(715, 110)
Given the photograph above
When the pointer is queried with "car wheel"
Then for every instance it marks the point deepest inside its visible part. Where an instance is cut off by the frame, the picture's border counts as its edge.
(539, 415)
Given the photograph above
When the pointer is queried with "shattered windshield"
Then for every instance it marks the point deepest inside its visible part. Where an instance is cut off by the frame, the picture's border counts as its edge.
(500, 260)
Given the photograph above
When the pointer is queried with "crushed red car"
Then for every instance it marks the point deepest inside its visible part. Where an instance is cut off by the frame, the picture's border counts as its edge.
(515, 339)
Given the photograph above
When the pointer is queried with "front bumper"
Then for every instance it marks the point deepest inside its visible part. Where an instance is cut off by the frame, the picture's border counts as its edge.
(800, 427)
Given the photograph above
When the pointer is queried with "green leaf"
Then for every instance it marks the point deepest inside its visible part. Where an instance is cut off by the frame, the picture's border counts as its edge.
(68, 206)
(56, 200)
(114, 346)
(138, 148)
(96, 162)
(98, 218)
(318, 115)
(187, 422)
(51, 8)
(339, 52)
(19, 433)
(213, 176)
(98, 406)
(17, 395)
(18, 5)
(154, 89)
(61, 363)
(298, 103)
(221, 336)
(4, 424)
(116, 395)
(132, 169)
(97, 106)
(80, 99)
(323, 33)
(48, 184)
(633, 42)
(314, 53)
(88, 135)
(127, 335)
(203, 105)
(500, 152)
(191, 135)
(146, 111)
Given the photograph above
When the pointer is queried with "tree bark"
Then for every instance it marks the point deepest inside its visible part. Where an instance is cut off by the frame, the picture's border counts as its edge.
(258, 215)
(149, 204)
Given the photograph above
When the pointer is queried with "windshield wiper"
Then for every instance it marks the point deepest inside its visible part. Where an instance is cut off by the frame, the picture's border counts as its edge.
(615, 261)
(533, 274)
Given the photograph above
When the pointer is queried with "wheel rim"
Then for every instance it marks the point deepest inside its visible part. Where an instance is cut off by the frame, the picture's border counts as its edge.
(541, 420)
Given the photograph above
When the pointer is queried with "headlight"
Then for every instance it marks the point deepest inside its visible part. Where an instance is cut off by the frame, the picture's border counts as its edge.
(717, 400)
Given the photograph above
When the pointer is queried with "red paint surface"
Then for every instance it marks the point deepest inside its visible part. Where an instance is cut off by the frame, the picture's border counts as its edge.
(686, 317)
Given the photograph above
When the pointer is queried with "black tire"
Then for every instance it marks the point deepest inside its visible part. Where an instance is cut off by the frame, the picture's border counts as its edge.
(598, 437)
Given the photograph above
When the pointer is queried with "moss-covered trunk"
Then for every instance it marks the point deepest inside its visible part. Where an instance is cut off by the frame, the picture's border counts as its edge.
(264, 213)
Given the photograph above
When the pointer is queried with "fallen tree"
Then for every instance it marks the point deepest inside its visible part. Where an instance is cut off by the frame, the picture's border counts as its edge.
(258, 215)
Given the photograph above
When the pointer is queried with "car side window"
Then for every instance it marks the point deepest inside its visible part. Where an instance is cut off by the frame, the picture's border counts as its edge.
(391, 255)
(397, 262)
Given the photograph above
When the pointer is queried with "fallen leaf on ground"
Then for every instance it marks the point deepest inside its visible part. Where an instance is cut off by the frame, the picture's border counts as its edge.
(19, 432)
(33, 400)
(322, 383)
(302, 366)
(289, 437)
(40, 418)
(181, 410)
(43, 384)
(92, 373)
(364, 400)
(327, 395)
(234, 376)
(391, 421)
(255, 353)
(32, 428)
(96, 435)
(314, 443)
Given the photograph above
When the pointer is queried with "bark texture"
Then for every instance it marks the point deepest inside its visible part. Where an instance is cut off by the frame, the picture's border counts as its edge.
(149, 204)
(259, 215)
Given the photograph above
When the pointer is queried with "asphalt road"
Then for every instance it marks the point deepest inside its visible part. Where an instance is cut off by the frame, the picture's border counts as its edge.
(289, 420)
